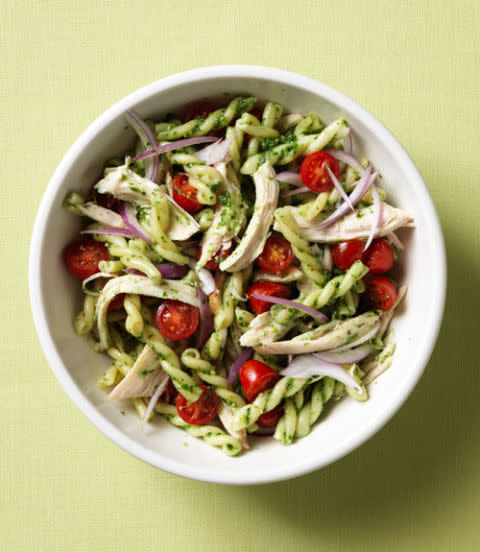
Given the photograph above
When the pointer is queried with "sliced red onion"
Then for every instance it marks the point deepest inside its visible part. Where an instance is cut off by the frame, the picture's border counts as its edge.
(290, 177)
(393, 238)
(127, 210)
(295, 191)
(117, 231)
(167, 270)
(377, 215)
(358, 341)
(207, 283)
(264, 432)
(347, 158)
(214, 153)
(292, 304)
(206, 320)
(360, 190)
(307, 366)
(189, 244)
(154, 399)
(148, 139)
(239, 362)
(338, 186)
(174, 145)
(349, 356)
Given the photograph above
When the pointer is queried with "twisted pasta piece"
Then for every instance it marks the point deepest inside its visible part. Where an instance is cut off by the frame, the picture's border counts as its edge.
(205, 218)
(215, 345)
(287, 225)
(310, 123)
(215, 120)
(232, 292)
(251, 125)
(85, 320)
(206, 371)
(204, 173)
(297, 145)
(111, 267)
(184, 383)
(321, 393)
(284, 388)
(134, 320)
(212, 435)
(285, 430)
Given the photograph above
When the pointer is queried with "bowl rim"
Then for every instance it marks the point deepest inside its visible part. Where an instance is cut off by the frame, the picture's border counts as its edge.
(47, 342)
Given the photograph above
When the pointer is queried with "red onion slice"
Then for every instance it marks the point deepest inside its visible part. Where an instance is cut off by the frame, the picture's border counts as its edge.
(206, 320)
(348, 158)
(127, 210)
(148, 138)
(292, 304)
(360, 190)
(345, 357)
(338, 186)
(214, 153)
(117, 231)
(174, 145)
(295, 191)
(264, 432)
(377, 215)
(167, 270)
(239, 362)
(306, 366)
(290, 177)
(154, 399)
(358, 341)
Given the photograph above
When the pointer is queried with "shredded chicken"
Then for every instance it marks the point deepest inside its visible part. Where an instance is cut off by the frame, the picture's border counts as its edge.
(142, 378)
(100, 214)
(253, 241)
(226, 417)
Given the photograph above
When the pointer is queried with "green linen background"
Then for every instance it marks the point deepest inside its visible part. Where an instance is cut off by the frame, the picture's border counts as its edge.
(416, 485)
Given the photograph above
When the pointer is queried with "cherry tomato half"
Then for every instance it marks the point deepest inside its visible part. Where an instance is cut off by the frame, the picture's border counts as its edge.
(82, 257)
(185, 194)
(378, 257)
(380, 292)
(117, 302)
(106, 200)
(276, 256)
(200, 109)
(270, 419)
(201, 411)
(177, 320)
(314, 174)
(266, 288)
(344, 254)
(219, 256)
(256, 377)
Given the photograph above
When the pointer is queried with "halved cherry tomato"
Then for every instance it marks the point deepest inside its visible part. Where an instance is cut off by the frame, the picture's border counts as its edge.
(185, 194)
(201, 411)
(106, 200)
(270, 419)
(314, 174)
(256, 377)
(117, 302)
(219, 256)
(200, 109)
(344, 254)
(380, 292)
(276, 256)
(378, 257)
(82, 257)
(170, 393)
(177, 320)
(266, 288)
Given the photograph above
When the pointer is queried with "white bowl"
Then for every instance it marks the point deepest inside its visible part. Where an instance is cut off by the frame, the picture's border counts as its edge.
(56, 297)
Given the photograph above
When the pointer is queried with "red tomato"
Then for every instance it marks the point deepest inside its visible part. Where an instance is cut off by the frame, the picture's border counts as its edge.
(82, 257)
(270, 419)
(266, 288)
(276, 256)
(379, 257)
(219, 256)
(170, 393)
(256, 377)
(380, 292)
(314, 174)
(177, 320)
(117, 302)
(200, 411)
(106, 200)
(345, 253)
(185, 194)
(200, 109)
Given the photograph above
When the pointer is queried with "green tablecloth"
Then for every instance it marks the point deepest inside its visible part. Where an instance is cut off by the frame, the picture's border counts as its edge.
(416, 485)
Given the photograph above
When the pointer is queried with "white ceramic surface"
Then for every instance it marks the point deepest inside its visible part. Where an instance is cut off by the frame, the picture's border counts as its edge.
(56, 298)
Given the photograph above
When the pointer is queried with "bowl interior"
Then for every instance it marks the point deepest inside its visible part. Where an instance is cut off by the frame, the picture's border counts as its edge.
(57, 299)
